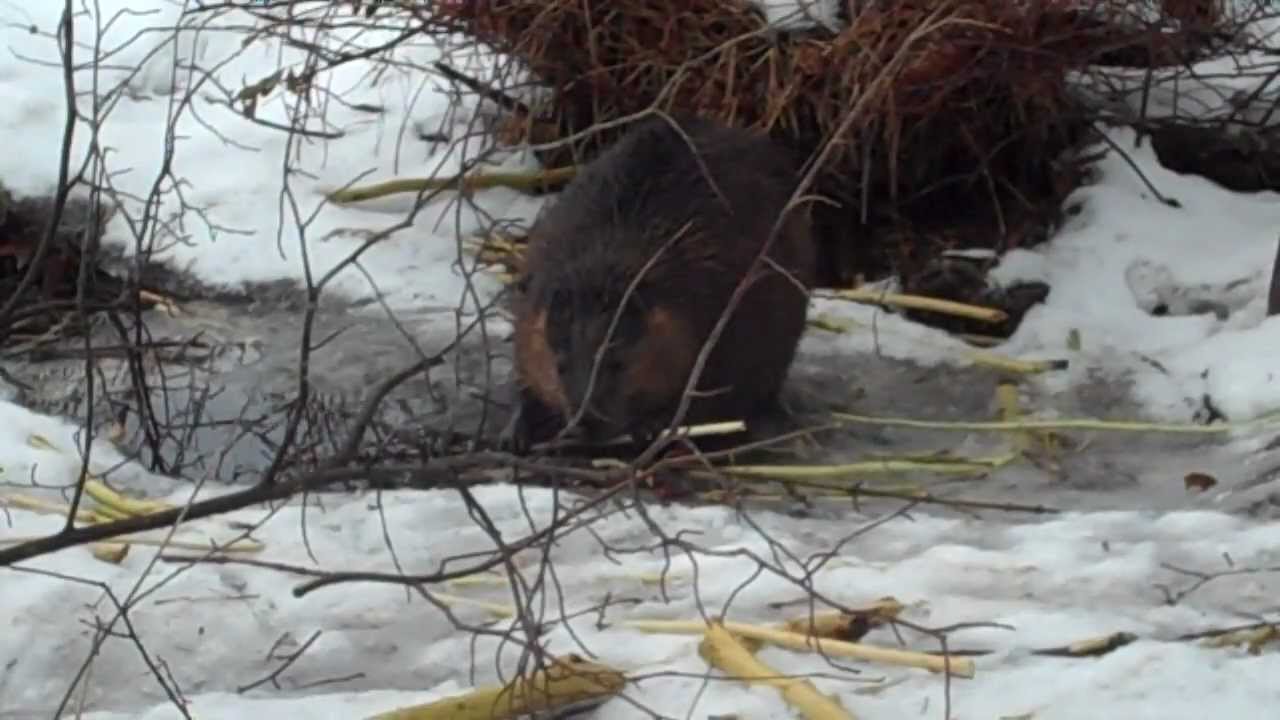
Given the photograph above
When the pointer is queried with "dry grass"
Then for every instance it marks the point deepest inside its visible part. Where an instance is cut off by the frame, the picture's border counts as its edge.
(965, 133)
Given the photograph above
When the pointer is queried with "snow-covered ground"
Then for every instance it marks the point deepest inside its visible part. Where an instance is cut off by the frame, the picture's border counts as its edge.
(214, 628)
(249, 229)
(1071, 579)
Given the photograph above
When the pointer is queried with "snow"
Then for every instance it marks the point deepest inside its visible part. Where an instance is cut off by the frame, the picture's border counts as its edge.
(248, 231)
(799, 14)
(1070, 578)
(1127, 253)
(1055, 583)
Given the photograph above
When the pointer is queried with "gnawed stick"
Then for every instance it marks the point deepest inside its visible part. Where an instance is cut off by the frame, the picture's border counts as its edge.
(522, 181)
(839, 625)
(918, 302)
(941, 466)
(960, 667)
(1062, 424)
(570, 683)
(1092, 647)
(722, 650)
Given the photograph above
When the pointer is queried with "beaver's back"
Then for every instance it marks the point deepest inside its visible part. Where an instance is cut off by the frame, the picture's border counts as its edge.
(610, 222)
(623, 207)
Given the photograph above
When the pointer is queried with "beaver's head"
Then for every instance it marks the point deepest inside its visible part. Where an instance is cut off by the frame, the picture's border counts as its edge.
(624, 370)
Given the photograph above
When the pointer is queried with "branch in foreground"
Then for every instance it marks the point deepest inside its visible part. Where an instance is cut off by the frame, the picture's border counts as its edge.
(546, 535)
(259, 493)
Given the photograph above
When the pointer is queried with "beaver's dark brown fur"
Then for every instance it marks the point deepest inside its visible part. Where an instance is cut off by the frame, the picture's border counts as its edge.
(646, 201)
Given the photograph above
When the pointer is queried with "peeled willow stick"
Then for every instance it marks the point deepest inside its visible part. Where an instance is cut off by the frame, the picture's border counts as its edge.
(727, 427)
(919, 302)
(909, 494)
(1007, 364)
(24, 502)
(523, 181)
(839, 625)
(1253, 638)
(942, 466)
(496, 248)
(983, 358)
(984, 341)
(114, 506)
(1010, 410)
(124, 506)
(1060, 424)
(1091, 647)
(568, 684)
(960, 667)
(110, 552)
(827, 323)
(721, 650)
(167, 305)
(497, 609)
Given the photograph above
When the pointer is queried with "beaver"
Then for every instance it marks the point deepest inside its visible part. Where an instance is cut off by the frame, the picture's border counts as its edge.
(642, 224)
